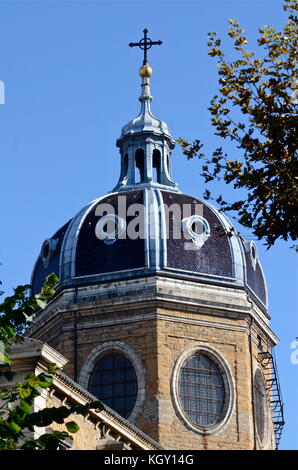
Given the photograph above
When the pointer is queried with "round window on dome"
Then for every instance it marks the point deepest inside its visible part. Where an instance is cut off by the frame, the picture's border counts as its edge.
(109, 228)
(47, 250)
(252, 251)
(197, 229)
(114, 381)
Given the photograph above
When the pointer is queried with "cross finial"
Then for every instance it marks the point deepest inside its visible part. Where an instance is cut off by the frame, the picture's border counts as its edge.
(145, 43)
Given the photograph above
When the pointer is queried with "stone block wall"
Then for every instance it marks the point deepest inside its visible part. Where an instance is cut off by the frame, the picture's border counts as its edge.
(158, 331)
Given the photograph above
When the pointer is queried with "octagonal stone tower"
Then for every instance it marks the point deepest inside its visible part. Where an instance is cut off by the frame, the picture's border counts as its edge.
(161, 307)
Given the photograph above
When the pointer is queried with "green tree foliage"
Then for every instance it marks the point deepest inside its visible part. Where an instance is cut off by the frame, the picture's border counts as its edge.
(16, 417)
(263, 93)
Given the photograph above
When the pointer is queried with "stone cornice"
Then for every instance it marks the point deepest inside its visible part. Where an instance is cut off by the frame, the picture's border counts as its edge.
(31, 350)
(154, 292)
(220, 323)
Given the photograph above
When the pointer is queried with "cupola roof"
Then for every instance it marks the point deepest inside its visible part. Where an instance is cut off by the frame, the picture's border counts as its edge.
(145, 122)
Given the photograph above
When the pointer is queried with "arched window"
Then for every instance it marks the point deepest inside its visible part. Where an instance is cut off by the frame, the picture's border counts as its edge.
(156, 166)
(201, 390)
(125, 165)
(139, 175)
(114, 381)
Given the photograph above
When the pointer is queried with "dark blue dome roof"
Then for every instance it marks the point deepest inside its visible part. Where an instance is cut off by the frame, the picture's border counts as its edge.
(78, 256)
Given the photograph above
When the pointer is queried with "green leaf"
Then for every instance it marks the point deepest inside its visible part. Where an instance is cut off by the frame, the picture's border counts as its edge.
(45, 380)
(33, 381)
(41, 303)
(29, 318)
(72, 427)
(24, 390)
(14, 427)
(4, 359)
(52, 368)
(25, 406)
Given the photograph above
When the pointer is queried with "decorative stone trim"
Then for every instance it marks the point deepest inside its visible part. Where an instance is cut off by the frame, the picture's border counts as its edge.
(110, 444)
(112, 346)
(229, 402)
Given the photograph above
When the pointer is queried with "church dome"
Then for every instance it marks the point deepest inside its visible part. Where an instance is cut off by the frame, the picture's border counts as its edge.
(146, 226)
(80, 253)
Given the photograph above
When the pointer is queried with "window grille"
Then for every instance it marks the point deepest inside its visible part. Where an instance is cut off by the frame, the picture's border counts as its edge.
(114, 382)
(202, 390)
(259, 404)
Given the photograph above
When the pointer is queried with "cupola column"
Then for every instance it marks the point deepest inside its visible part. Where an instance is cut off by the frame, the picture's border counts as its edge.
(148, 163)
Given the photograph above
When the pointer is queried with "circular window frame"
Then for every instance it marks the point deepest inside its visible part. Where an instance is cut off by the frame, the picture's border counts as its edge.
(198, 239)
(49, 244)
(263, 443)
(253, 253)
(229, 401)
(110, 237)
(111, 347)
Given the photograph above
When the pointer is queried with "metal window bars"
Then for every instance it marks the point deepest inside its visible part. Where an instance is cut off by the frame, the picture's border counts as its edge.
(201, 390)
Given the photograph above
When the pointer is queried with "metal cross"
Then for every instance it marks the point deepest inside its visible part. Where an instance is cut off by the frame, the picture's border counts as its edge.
(145, 43)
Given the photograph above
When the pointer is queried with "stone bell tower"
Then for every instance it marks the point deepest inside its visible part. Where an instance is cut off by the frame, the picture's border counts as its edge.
(161, 312)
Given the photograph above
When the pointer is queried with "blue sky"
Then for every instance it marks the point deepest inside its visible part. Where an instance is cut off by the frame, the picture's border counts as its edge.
(71, 83)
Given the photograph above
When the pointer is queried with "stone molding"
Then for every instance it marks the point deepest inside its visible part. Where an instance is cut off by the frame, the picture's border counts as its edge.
(131, 355)
(157, 292)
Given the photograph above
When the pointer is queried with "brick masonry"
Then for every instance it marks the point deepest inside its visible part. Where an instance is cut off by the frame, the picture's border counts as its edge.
(158, 331)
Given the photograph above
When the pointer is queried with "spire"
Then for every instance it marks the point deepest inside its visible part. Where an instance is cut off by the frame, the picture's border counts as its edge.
(145, 114)
(145, 142)
(145, 72)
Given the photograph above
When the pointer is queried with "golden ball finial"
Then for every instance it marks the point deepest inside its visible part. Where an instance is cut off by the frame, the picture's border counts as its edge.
(145, 71)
